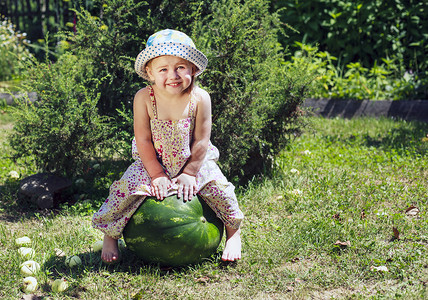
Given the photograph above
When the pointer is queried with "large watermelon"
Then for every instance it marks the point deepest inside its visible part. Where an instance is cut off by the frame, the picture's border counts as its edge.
(173, 232)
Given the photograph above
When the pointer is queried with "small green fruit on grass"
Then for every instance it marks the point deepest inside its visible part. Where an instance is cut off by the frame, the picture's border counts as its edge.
(29, 267)
(29, 284)
(26, 253)
(23, 241)
(59, 285)
(73, 261)
(97, 246)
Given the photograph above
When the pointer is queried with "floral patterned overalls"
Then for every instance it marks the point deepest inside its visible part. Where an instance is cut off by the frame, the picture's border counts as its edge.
(172, 141)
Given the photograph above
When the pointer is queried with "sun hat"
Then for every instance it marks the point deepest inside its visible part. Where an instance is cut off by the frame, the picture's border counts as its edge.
(170, 42)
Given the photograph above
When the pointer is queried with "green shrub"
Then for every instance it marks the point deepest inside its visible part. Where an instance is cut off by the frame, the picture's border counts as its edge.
(381, 41)
(254, 94)
(63, 130)
(364, 31)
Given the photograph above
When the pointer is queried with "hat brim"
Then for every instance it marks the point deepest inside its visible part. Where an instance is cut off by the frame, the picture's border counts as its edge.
(167, 48)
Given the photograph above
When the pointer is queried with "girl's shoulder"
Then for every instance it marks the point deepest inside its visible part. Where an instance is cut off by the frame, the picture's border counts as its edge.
(201, 95)
(142, 96)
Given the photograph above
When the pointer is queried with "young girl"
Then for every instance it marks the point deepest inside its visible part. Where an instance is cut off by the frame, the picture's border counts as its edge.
(171, 148)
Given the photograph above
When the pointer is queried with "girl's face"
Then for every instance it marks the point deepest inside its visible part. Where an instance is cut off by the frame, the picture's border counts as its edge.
(172, 73)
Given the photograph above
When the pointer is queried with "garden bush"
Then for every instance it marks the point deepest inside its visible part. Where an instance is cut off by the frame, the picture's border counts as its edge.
(255, 94)
(379, 45)
(364, 31)
(63, 130)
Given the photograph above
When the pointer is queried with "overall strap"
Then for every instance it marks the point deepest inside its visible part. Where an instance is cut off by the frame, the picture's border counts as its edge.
(192, 105)
(153, 100)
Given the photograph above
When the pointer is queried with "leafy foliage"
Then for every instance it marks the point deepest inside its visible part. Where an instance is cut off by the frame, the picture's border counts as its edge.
(364, 31)
(63, 130)
(383, 36)
(253, 94)
(381, 81)
(13, 51)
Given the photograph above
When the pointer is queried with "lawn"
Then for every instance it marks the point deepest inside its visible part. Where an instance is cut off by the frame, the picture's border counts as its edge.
(343, 216)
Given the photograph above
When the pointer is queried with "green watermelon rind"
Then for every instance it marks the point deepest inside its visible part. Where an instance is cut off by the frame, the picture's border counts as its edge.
(173, 232)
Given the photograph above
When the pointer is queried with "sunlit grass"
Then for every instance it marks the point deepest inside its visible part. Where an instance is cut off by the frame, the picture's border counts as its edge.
(343, 180)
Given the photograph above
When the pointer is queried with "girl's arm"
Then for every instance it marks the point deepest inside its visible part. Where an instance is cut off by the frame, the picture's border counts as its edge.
(143, 138)
(201, 135)
(187, 179)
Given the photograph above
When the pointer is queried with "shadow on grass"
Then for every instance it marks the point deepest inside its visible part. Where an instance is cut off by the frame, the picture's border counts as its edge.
(411, 136)
(129, 263)
(95, 187)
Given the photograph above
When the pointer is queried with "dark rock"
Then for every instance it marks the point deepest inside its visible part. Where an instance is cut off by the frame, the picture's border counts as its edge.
(45, 190)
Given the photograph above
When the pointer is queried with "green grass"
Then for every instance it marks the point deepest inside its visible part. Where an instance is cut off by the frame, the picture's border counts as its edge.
(343, 180)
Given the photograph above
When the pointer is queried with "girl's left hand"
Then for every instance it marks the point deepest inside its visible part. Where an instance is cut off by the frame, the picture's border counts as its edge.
(186, 186)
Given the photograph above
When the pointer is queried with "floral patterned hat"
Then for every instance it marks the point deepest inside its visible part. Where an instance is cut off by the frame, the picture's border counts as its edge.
(170, 42)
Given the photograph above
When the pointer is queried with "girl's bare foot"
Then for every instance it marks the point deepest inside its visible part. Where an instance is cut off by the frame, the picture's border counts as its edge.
(110, 251)
(232, 249)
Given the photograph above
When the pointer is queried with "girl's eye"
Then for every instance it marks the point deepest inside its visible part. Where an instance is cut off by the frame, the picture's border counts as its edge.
(163, 70)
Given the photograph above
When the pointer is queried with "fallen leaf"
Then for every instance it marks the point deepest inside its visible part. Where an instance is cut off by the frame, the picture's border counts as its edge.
(380, 268)
(296, 192)
(343, 244)
(203, 280)
(295, 171)
(412, 211)
(30, 297)
(396, 233)
(296, 259)
(279, 197)
(337, 217)
(290, 288)
(59, 252)
(298, 280)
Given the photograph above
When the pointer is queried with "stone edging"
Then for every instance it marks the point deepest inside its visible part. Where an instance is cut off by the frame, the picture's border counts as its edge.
(400, 109)
(329, 108)
(9, 98)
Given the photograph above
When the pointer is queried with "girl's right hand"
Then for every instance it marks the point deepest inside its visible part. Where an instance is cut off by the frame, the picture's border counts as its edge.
(160, 186)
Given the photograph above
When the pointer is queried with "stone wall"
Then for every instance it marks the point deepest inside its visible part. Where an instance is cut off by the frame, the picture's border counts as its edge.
(329, 108)
(400, 109)
(10, 99)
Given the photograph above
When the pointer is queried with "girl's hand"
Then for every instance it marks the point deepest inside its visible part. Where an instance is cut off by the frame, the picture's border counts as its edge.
(186, 186)
(160, 186)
